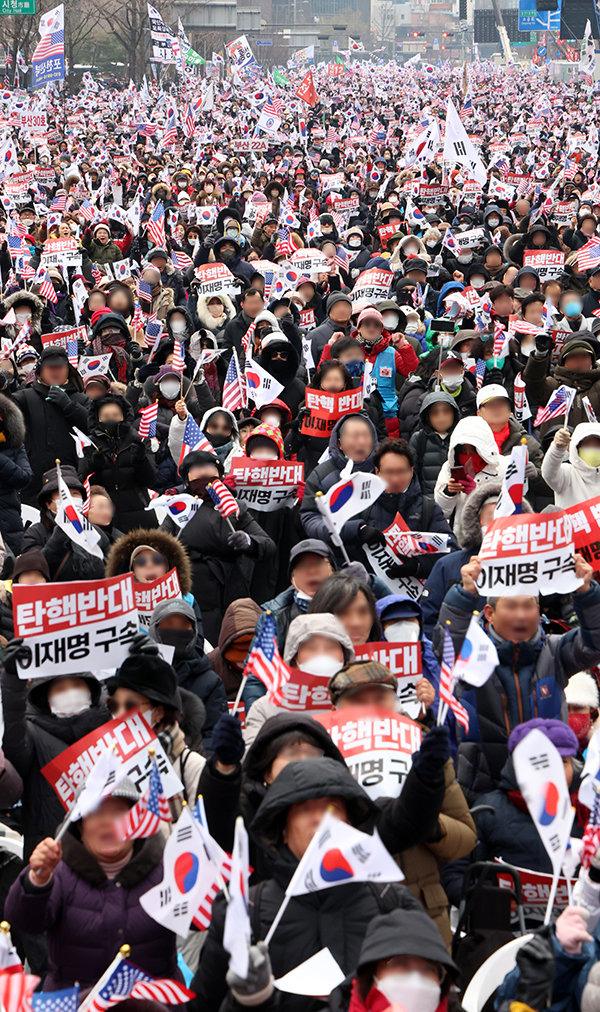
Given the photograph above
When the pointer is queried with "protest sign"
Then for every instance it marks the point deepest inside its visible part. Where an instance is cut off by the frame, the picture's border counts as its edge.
(386, 232)
(61, 338)
(585, 520)
(215, 279)
(373, 285)
(380, 560)
(33, 120)
(18, 185)
(528, 554)
(346, 203)
(377, 746)
(518, 179)
(250, 144)
(332, 180)
(131, 737)
(472, 237)
(559, 337)
(266, 485)
(325, 409)
(84, 625)
(403, 542)
(564, 211)
(61, 253)
(308, 319)
(304, 692)
(148, 595)
(536, 887)
(404, 660)
(548, 263)
(431, 193)
(309, 261)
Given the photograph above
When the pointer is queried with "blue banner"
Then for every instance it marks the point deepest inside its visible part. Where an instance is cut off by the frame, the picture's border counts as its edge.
(50, 69)
(532, 20)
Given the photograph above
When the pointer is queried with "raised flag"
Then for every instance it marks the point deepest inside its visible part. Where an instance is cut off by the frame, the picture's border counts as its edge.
(510, 499)
(458, 148)
(477, 658)
(124, 980)
(193, 439)
(145, 817)
(349, 497)
(220, 860)
(223, 500)
(559, 404)
(46, 288)
(178, 360)
(9, 957)
(81, 441)
(73, 523)
(100, 782)
(156, 231)
(237, 931)
(446, 689)
(588, 256)
(90, 365)
(234, 396)
(265, 661)
(306, 90)
(262, 387)
(66, 1000)
(147, 427)
(180, 507)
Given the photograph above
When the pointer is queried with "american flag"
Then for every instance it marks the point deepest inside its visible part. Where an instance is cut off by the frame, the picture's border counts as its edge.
(149, 415)
(128, 981)
(137, 321)
(234, 387)
(145, 291)
(588, 256)
(266, 662)
(27, 273)
(56, 1001)
(16, 246)
(193, 439)
(225, 503)
(591, 836)
(284, 245)
(342, 258)
(16, 990)
(145, 817)
(46, 289)
(73, 352)
(58, 204)
(479, 372)
(49, 45)
(571, 168)
(499, 339)
(156, 225)
(247, 336)
(170, 134)
(178, 362)
(181, 261)
(446, 683)
(88, 494)
(96, 274)
(559, 404)
(86, 210)
(188, 121)
(273, 107)
(203, 916)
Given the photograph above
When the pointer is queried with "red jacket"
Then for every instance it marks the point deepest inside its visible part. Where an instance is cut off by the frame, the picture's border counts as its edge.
(406, 360)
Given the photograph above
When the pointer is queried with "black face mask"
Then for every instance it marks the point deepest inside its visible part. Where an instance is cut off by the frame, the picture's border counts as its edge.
(198, 487)
(112, 428)
(218, 438)
(178, 638)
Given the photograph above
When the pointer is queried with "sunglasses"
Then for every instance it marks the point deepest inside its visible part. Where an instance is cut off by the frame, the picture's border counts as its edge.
(147, 560)
(280, 354)
(114, 707)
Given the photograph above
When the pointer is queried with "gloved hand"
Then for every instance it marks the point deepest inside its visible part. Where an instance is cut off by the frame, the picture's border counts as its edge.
(369, 535)
(408, 567)
(98, 461)
(257, 987)
(433, 753)
(142, 644)
(136, 353)
(543, 345)
(15, 650)
(571, 930)
(227, 740)
(239, 541)
(530, 471)
(209, 241)
(58, 397)
(536, 965)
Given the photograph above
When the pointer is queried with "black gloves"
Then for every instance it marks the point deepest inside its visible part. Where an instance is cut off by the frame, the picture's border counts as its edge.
(239, 541)
(408, 567)
(136, 353)
(368, 535)
(535, 961)
(543, 345)
(98, 460)
(227, 741)
(142, 644)
(58, 397)
(433, 753)
(13, 651)
(209, 241)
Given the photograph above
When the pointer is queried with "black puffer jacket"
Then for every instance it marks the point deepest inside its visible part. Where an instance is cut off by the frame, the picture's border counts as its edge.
(33, 736)
(286, 373)
(15, 472)
(122, 463)
(429, 448)
(340, 915)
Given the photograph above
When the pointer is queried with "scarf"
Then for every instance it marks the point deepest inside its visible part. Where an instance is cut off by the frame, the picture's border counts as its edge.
(502, 436)
(100, 346)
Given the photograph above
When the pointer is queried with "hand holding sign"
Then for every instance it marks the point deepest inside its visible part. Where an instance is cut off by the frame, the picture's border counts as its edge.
(470, 574)
(583, 572)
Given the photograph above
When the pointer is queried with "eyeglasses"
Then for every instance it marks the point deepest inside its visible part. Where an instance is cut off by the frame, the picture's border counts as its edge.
(283, 355)
(146, 560)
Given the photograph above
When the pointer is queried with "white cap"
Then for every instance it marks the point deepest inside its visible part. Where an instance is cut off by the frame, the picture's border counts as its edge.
(489, 392)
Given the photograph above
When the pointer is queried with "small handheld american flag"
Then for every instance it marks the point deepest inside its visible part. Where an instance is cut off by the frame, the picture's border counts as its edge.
(447, 683)
(266, 662)
(178, 361)
(149, 415)
(145, 817)
(225, 503)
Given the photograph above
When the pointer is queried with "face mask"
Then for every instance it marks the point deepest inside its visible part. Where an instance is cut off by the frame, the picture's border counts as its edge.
(271, 418)
(227, 254)
(478, 282)
(572, 308)
(169, 389)
(464, 355)
(413, 991)
(231, 232)
(22, 317)
(464, 258)
(403, 631)
(218, 438)
(493, 222)
(111, 428)
(390, 321)
(526, 349)
(431, 244)
(580, 724)
(198, 487)
(590, 455)
(322, 665)
(178, 326)
(354, 243)
(464, 228)
(27, 367)
(326, 230)
(356, 367)
(178, 638)
(301, 594)
(452, 382)
(70, 702)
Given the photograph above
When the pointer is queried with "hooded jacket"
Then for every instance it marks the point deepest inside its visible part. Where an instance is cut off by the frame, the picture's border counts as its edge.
(575, 481)
(36, 305)
(430, 449)
(540, 385)
(327, 474)
(87, 916)
(33, 736)
(284, 372)
(340, 915)
(15, 473)
(477, 433)
(225, 453)
(216, 325)
(190, 663)
(239, 619)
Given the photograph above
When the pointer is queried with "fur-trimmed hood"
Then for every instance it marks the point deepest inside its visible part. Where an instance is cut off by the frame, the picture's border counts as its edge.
(163, 542)
(14, 423)
(37, 308)
(468, 529)
(210, 322)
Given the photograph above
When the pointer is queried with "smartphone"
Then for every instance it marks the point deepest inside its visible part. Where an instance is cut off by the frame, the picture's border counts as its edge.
(458, 474)
(442, 325)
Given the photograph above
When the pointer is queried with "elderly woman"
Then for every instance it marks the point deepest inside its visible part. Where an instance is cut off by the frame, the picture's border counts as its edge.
(85, 894)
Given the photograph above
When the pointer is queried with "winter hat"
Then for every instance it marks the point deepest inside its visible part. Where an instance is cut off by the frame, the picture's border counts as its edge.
(370, 314)
(560, 734)
(33, 560)
(581, 690)
(50, 482)
(197, 458)
(404, 933)
(150, 675)
(357, 676)
(52, 352)
(97, 378)
(125, 789)
(267, 431)
(303, 627)
(337, 297)
(99, 225)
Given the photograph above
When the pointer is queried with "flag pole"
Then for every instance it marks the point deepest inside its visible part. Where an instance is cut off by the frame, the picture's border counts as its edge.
(335, 537)
(208, 851)
(123, 953)
(239, 695)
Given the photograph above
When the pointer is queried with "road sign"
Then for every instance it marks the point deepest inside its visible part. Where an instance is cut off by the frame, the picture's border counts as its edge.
(264, 42)
(17, 7)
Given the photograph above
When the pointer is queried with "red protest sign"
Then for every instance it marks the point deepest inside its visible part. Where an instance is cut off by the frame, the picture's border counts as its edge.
(304, 692)
(548, 263)
(386, 232)
(148, 595)
(585, 518)
(325, 409)
(376, 744)
(266, 484)
(404, 661)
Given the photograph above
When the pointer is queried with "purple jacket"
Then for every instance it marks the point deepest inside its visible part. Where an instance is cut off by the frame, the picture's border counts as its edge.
(87, 917)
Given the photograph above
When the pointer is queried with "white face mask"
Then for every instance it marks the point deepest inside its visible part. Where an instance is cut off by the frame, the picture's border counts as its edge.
(413, 991)
(264, 453)
(477, 282)
(431, 243)
(464, 258)
(70, 702)
(322, 665)
(178, 326)
(22, 317)
(403, 631)
(526, 349)
(452, 382)
(27, 367)
(271, 418)
(390, 321)
(169, 389)
(493, 222)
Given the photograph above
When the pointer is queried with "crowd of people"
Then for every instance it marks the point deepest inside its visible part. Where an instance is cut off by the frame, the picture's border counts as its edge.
(188, 315)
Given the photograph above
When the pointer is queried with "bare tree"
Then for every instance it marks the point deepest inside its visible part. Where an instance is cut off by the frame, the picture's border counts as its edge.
(128, 23)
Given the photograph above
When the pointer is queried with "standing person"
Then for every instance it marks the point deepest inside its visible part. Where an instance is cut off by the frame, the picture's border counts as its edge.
(429, 443)
(473, 448)
(51, 406)
(15, 473)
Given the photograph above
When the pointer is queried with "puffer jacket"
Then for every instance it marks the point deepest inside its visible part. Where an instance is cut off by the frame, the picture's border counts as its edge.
(539, 387)
(477, 433)
(575, 481)
(15, 473)
(429, 448)
(38, 320)
(528, 682)
(32, 737)
(87, 916)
